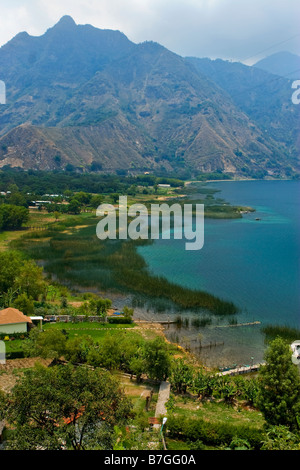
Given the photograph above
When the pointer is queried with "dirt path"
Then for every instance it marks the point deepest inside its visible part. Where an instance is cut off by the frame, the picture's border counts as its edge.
(163, 397)
(8, 377)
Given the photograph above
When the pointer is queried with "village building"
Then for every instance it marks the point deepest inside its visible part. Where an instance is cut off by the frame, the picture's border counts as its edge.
(13, 321)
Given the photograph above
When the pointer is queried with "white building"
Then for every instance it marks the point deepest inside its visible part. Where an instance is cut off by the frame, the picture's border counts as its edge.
(13, 321)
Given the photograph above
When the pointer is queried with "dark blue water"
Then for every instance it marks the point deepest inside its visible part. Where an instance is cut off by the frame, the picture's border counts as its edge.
(254, 263)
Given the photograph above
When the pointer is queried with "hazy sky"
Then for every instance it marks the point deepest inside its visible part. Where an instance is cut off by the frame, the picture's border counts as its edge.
(244, 30)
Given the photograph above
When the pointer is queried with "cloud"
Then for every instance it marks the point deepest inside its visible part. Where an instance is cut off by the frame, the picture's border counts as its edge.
(233, 29)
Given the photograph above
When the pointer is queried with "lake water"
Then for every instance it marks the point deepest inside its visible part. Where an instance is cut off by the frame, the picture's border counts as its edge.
(254, 263)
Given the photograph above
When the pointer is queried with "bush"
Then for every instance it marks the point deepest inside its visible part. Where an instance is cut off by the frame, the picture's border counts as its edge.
(122, 320)
(217, 434)
(15, 355)
(14, 335)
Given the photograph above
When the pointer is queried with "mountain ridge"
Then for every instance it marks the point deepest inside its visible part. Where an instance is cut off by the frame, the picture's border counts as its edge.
(99, 100)
(283, 63)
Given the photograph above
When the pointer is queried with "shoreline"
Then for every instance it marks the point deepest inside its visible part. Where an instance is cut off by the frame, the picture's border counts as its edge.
(238, 180)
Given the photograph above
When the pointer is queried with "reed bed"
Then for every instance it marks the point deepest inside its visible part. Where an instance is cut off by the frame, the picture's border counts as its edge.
(78, 257)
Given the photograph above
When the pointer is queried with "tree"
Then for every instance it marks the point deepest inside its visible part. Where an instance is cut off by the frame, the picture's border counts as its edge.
(7, 298)
(49, 344)
(157, 359)
(74, 206)
(24, 304)
(83, 198)
(96, 201)
(20, 276)
(279, 386)
(10, 266)
(107, 355)
(137, 367)
(128, 313)
(13, 188)
(65, 407)
(68, 193)
(248, 389)
(100, 306)
(77, 349)
(12, 217)
(30, 280)
(227, 389)
(204, 384)
(181, 375)
(17, 199)
(63, 302)
(114, 197)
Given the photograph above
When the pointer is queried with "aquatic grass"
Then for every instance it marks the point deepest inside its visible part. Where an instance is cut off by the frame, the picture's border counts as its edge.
(286, 332)
(201, 322)
(80, 258)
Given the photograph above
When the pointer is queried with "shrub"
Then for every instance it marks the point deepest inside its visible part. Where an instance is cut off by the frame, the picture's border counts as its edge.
(4, 336)
(217, 434)
(122, 320)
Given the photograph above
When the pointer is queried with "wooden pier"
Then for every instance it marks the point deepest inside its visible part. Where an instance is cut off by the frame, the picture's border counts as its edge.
(163, 322)
(241, 370)
(251, 323)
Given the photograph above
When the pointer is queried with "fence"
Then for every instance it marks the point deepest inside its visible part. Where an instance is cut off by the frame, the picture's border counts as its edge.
(72, 318)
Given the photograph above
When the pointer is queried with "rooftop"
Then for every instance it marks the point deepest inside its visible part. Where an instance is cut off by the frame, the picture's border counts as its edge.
(10, 315)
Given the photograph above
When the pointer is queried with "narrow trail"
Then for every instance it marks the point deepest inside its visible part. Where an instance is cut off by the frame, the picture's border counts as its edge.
(163, 397)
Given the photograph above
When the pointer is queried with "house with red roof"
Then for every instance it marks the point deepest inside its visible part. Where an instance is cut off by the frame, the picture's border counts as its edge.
(13, 321)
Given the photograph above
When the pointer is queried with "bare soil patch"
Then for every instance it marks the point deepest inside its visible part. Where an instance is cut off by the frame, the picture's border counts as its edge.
(8, 375)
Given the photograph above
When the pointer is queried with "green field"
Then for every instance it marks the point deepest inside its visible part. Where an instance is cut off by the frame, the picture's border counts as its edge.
(94, 330)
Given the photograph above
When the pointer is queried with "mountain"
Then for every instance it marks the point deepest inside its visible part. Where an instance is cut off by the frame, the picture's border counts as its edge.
(93, 99)
(266, 99)
(281, 63)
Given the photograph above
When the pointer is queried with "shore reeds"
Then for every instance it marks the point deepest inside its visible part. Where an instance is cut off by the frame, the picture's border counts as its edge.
(286, 332)
(78, 257)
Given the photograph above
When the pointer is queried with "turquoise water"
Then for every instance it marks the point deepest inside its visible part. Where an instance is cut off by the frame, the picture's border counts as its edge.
(254, 263)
